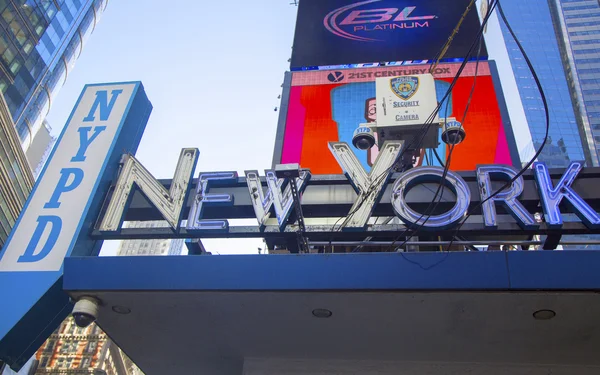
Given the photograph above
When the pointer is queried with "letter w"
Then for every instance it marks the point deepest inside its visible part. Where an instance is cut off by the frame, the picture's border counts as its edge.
(169, 203)
(282, 201)
(101, 102)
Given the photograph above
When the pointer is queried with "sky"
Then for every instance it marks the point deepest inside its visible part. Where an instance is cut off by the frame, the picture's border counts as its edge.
(212, 70)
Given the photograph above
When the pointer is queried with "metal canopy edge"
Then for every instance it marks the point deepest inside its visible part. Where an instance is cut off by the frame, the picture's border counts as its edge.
(515, 270)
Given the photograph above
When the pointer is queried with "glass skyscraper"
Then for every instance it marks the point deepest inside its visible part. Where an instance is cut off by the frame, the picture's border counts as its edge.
(578, 27)
(569, 138)
(562, 40)
(39, 43)
(41, 39)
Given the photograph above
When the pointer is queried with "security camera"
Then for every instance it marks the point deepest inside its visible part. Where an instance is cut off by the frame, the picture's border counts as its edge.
(363, 138)
(453, 132)
(85, 311)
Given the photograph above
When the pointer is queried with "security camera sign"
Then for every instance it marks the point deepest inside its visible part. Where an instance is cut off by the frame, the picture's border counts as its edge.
(405, 100)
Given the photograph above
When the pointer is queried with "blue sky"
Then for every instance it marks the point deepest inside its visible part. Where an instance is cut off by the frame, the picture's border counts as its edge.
(212, 70)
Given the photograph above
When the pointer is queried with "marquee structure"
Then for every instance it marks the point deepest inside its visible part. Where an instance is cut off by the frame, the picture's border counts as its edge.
(247, 314)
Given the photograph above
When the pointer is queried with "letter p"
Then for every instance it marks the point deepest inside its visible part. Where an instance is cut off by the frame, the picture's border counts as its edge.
(64, 185)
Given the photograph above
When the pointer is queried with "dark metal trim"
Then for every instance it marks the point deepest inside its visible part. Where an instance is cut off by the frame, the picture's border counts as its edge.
(317, 201)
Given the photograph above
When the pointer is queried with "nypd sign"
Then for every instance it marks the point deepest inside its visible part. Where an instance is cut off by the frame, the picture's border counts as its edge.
(49, 223)
(64, 204)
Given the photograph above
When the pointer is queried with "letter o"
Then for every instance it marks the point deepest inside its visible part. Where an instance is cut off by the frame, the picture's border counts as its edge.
(420, 175)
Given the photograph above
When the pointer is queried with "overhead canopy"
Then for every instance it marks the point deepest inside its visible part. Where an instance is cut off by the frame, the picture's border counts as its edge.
(393, 312)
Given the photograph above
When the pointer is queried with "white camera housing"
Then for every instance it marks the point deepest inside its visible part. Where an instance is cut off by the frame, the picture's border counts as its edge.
(85, 311)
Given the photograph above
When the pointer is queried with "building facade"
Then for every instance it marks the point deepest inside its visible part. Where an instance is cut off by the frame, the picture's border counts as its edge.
(150, 247)
(569, 139)
(16, 178)
(562, 40)
(39, 43)
(75, 350)
(41, 40)
(578, 26)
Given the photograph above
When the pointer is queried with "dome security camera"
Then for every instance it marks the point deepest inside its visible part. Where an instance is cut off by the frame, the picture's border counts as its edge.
(453, 133)
(85, 311)
(363, 138)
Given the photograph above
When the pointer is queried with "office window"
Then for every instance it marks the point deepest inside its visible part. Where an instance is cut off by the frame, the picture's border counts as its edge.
(85, 362)
(91, 347)
(50, 346)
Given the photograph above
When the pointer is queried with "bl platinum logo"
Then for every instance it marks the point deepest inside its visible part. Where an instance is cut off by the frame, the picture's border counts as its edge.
(359, 22)
(52, 218)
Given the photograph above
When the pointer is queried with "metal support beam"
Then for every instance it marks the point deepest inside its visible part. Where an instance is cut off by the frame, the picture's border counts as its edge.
(302, 241)
(552, 241)
(328, 233)
(195, 247)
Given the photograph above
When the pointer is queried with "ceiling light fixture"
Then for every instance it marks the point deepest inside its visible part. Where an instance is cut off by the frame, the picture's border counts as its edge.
(544, 314)
(121, 310)
(322, 313)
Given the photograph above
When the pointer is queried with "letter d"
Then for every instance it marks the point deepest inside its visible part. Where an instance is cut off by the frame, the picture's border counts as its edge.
(56, 225)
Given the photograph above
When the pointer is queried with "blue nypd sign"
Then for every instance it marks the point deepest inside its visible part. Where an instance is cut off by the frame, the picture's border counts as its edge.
(107, 120)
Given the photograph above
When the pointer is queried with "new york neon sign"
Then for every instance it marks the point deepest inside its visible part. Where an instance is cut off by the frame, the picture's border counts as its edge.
(369, 187)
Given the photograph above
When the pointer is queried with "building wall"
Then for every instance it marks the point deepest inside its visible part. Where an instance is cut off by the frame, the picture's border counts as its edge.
(16, 179)
(39, 43)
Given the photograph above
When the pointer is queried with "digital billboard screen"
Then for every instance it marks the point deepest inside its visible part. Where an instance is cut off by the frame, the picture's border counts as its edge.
(340, 32)
(325, 106)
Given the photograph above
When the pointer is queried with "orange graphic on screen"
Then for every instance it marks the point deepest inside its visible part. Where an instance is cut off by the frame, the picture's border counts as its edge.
(313, 111)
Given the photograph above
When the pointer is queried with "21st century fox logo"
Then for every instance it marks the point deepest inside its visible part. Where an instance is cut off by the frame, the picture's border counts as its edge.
(359, 24)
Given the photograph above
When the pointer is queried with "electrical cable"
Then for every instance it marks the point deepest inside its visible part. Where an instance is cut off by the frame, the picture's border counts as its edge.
(440, 190)
(509, 183)
(424, 128)
(433, 205)
(429, 121)
(544, 102)
(444, 48)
